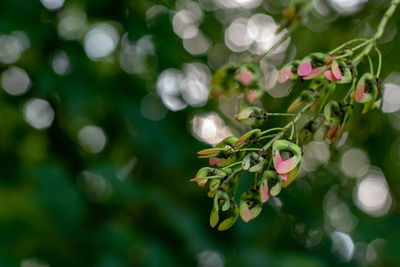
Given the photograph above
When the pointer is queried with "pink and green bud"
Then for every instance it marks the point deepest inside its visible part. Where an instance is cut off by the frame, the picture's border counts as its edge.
(284, 166)
(249, 206)
(251, 116)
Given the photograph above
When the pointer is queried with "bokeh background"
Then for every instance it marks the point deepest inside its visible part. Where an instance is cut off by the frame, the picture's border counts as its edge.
(104, 104)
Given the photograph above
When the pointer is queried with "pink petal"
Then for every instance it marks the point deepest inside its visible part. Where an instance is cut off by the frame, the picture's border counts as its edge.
(329, 59)
(265, 194)
(333, 131)
(360, 92)
(214, 160)
(202, 183)
(245, 77)
(246, 215)
(283, 166)
(305, 68)
(284, 176)
(284, 75)
(314, 72)
(251, 96)
(329, 75)
(336, 71)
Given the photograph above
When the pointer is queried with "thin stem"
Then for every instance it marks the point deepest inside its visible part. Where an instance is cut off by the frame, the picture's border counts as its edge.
(378, 72)
(346, 44)
(281, 114)
(280, 41)
(247, 149)
(379, 32)
(362, 45)
(233, 164)
(271, 130)
(255, 180)
(230, 177)
(266, 137)
(292, 133)
(287, 126)
(350, 90)
(306, 8)
(371, 66)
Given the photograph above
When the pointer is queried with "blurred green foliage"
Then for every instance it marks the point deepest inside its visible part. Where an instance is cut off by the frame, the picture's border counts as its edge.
(64, 206)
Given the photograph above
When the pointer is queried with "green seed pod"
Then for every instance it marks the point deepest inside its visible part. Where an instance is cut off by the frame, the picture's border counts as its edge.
(366, 92)
(253, 162)
(247, 139)
(286, 168)
(250, 206)
(229, 222)
(251, 116)
(332, 113)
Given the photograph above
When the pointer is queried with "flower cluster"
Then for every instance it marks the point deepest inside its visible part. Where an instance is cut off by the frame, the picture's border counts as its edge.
(276, 163)
(273, 167)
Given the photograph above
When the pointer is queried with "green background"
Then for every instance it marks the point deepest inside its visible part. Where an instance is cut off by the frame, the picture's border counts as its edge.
(153, 216)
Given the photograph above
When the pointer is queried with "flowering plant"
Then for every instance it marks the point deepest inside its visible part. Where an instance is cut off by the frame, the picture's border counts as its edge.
(276, 163)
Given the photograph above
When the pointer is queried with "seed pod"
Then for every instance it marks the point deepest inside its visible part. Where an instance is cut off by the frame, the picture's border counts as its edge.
(253, 162)
(366, 92)
(304, 98)
(251, 116)
(247, 139)
(339, 72)
(312, 66)
(263, 190)
(250, 206)
(285, 167)
(288, 72)
(206, 173)
(230, 221)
